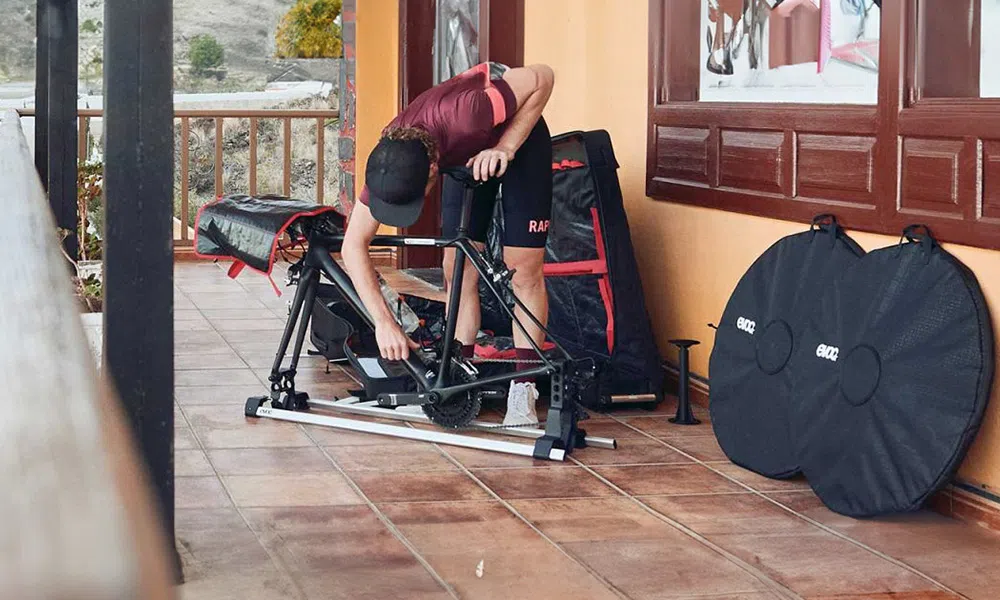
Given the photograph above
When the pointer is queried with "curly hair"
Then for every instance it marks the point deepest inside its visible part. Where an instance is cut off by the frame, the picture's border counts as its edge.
(413, 133)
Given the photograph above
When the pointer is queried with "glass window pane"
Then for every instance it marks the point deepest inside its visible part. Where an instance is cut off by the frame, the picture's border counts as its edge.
(813, 51)
(456, 44)
(989, 76)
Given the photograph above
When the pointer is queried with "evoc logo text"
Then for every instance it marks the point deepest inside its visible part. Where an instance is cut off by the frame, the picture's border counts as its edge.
(744, 324)
(828, 352)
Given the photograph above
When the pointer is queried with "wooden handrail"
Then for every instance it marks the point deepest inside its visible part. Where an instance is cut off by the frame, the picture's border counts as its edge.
(76, 505)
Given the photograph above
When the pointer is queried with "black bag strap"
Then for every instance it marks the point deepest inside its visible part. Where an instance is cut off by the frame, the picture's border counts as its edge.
(826, 223)
(919, 233)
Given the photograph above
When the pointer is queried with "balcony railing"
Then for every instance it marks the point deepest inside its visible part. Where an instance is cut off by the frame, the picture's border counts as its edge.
(197, 124)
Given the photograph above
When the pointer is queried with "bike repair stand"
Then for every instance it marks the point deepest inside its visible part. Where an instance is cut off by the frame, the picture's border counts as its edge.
(560, 436)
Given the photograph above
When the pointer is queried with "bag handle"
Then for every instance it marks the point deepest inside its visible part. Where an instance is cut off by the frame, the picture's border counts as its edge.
(918, 233)
(828, 223)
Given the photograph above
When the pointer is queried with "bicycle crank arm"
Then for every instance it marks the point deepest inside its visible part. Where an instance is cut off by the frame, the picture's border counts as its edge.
(493, 394)
(393, 400)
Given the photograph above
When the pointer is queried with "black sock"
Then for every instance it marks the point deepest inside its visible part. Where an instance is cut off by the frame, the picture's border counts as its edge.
(523, 355)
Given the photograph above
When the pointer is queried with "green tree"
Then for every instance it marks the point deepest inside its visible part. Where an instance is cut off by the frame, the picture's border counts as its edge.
(90, 26)
(205, 54)
(309, 30)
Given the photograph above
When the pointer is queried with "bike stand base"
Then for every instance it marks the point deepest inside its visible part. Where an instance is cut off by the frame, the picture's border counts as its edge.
(436, 437)
(415, 414)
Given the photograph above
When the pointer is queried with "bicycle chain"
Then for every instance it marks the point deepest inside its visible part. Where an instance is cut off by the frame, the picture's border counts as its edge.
(494, 427)
(530, 361)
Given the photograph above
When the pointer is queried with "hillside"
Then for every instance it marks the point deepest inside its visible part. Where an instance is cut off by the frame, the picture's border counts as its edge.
(244, 28)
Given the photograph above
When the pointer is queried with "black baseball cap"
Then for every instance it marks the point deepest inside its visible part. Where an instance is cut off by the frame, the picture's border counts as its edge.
(396, 177)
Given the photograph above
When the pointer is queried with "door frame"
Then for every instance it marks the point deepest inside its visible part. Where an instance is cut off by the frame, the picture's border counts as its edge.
(503, 41)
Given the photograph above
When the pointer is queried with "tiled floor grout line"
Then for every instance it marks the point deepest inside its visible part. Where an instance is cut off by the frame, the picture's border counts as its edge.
(805, 518)
(275, 559)
(614, 589)
(739, 562)
(388, 522)
(226, 341)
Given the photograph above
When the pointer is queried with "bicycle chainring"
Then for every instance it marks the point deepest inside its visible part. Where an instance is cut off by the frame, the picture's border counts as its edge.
(459, 410)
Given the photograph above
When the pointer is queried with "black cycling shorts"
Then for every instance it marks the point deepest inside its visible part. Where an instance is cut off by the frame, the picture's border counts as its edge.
(525, 192)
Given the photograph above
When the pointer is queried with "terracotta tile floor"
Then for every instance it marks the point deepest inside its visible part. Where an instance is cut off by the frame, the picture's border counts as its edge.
(268, 509)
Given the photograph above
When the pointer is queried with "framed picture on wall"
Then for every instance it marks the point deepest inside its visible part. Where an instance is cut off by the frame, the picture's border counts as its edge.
(808, 51)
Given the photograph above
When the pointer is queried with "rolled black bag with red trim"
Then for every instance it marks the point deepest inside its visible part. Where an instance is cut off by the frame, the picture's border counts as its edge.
(597, 308)
(248, 229)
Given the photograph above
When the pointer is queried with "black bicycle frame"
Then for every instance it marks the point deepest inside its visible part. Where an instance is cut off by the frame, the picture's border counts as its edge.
(318, 260)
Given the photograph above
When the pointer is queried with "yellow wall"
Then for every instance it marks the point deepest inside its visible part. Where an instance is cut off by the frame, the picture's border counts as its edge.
(690, 258)
(377, 56)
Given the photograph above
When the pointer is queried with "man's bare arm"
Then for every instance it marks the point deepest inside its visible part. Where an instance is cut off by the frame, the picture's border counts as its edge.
(358, 264)
(532, 87)
(392, 342)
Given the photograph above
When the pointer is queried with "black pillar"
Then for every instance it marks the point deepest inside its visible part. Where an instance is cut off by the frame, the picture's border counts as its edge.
(42, 90)
(63, 23)
(138, 258)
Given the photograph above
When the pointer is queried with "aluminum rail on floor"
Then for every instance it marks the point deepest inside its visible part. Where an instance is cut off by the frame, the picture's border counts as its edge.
(416, 415)
(436, 437)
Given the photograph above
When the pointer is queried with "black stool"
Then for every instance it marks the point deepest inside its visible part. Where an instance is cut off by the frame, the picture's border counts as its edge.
(684, 415)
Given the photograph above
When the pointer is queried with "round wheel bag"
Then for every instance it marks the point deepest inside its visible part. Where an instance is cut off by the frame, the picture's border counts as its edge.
(892, 379)
(750, 389)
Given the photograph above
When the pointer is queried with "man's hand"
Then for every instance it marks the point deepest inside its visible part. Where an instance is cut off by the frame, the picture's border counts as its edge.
(392, 342)
(489, 163)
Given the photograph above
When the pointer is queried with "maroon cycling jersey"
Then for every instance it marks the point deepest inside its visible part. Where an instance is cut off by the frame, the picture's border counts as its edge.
(465, 115)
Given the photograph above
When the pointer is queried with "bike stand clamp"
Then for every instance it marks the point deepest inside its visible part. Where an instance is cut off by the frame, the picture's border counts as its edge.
(684, 415)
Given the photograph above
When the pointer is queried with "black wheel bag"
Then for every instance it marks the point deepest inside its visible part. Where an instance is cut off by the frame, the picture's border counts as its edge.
(750, 394)
(892, 378)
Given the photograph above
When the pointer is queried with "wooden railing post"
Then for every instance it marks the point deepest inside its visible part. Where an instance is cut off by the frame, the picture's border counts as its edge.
(320, 159)
(185, 174)
(288, 156)
(253, 156)
(218, 157)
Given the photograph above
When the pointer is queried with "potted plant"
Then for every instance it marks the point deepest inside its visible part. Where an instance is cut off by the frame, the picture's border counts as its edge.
(88, 287)
(90, 207)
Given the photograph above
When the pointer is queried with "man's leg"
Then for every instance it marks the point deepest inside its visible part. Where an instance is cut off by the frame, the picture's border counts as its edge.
(529, 287)
(469, 315)
(527, 207)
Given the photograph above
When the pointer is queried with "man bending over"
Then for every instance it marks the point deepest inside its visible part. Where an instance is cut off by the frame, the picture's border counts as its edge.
(490, 120)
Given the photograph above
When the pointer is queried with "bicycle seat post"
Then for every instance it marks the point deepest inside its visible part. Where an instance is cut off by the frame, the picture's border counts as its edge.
(462, 177)
(465, 219)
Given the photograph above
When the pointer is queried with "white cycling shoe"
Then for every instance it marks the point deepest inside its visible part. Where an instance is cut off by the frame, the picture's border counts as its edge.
(521, 401)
